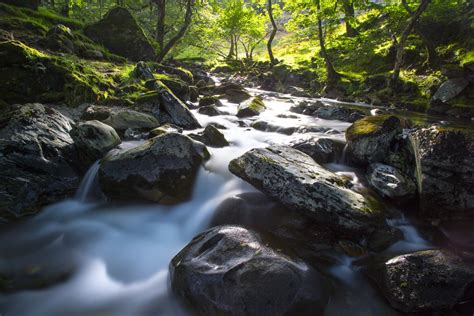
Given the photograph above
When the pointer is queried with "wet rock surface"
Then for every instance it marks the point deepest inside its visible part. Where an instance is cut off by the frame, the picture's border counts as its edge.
(161, 170)
(229, 270)
(94, 139)
(294, 179)
(37, 158)
(251, 107)
(445, 164)
(211, 136)
(390, 182)
(425, 281)
(322, 150)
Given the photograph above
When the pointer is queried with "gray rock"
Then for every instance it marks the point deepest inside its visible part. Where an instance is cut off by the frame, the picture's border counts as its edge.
(340, 113)
(96, 112)
(390, 182)
(450, 89)
(295, 180)
(251, 107)
(370, 139)
(120, 34)
(125, 119)
(445, 168)
(228, 270)
(425, 281)
(209, 100)
(268, 127)
(322, 150)
(210, 110)
(162, 170)
(178, 111)
(211, 136)
(37, 156)
(93, 140)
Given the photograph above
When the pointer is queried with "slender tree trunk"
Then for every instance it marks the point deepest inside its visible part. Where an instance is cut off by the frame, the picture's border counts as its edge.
(332, 74)
(349, 14)
(160, 22)
(403, 39)
(431, 54)
(272, 34)
(187, 21)
(231, 49)
(236, 47)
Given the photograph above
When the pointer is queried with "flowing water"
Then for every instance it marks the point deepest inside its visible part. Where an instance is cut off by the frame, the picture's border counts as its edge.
(113, 259)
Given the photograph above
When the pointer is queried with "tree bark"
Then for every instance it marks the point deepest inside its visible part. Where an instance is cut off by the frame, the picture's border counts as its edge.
(231, 49)
(160, 22)
(401, 44)
(332, 74)
(272, 34)
(431, 54)
(172, 42)
(349, 13)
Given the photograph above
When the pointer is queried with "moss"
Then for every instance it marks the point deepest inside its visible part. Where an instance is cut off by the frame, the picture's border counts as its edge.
(370, 125)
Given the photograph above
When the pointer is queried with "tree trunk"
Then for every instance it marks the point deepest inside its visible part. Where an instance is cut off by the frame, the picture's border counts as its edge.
(160, 22)
(231, 49)
(349, 14)
(431, 54)
(187, 21)
(401, 44)
(332, 74)
(272, 34)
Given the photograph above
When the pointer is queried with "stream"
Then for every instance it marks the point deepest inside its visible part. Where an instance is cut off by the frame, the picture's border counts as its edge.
(112, 259)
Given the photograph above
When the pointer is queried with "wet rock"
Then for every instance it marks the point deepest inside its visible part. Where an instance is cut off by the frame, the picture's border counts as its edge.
(161, 170)
(167, 128)
(445, 168)
(268, 127)
(322, 150)
(338, 113)
(210, 110)
(370, 139)
(120, 34)
(306, 107)
(37, 155)
(390, 182)
(211, 136)
(237, 96)
(96, 112)
(125, 119)
(450, 89)
(209, 100)
(229, 270)
(251, 107)
(295, 180)
(425, 281)
(94, 139)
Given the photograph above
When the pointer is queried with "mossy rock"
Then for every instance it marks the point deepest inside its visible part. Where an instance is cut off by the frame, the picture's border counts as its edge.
(119, 32)
(252, 107)
(372, 126)
(209, 100)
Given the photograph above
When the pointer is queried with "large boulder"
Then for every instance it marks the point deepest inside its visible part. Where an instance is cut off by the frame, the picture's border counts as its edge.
(251, 107)
(426, 281)
(295, 180)
(450, 89)
(371, 138)
(445, 169)
(229, 270)
(125, 119)
(162, 170)
(93, 140)
(36, 158)
(119, 32)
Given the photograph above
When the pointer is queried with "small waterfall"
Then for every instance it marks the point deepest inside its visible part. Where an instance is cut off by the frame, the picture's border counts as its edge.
(88, 183)
(416, 152)
(343, 158)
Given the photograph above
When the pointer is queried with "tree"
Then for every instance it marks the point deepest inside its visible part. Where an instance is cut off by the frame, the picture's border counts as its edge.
(431, 55)
(349, 17)
(272, 33)
(403, 38)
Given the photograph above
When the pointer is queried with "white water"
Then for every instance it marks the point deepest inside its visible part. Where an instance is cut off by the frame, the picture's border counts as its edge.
(118, 256)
